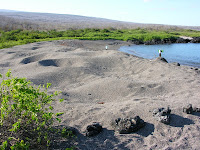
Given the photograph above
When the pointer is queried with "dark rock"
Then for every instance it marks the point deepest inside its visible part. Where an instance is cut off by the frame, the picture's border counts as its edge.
(153, 42)
(195, 109)
(149, 43)
(128, 125)
(93, 129)
(176, 64)
(161, 111)
(162, 59)
(164, 119)
(135, 41)
(188, 109)
(161, 41)
(168, 40)
(195, 40)
(162, 115)
(181, 40)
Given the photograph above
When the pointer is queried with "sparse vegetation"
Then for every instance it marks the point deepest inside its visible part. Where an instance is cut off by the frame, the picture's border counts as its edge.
(26, 116)
(19, 37)
(45, 22)
(17, 28)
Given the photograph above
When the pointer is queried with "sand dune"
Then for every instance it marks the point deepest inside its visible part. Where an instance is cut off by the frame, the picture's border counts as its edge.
(100, 85)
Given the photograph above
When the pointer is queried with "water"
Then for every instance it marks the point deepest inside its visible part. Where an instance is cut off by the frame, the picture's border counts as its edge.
(183, 53)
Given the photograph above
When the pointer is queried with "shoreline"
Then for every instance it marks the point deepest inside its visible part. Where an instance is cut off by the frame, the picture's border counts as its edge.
(181, 39)
(151, 54)
(100, 85)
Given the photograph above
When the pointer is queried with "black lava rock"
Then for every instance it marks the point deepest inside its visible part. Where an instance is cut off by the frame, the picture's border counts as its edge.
(195, 40)
(93, 129)
(188, 109)
(128, 125)
(162, 115)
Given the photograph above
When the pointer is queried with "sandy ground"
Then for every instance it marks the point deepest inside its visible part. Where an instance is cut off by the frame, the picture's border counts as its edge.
(127, 85)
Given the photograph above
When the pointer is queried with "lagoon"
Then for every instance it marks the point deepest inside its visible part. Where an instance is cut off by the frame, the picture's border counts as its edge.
(183, 53)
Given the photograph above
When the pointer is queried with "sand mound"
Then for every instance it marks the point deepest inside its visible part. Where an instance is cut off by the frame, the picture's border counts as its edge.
(98, 85)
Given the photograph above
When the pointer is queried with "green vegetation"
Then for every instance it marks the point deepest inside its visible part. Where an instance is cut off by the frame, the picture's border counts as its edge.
(26, 116)
(19, 37)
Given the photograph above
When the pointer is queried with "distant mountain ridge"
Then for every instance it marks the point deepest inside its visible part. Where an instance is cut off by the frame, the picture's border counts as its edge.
(6, 10)
(11, 19)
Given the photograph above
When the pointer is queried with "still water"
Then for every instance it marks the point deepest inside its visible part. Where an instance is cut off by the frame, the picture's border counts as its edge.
(183, 53)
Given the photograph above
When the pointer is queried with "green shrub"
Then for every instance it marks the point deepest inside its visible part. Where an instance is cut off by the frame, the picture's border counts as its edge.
(19, 37)
(26, 116)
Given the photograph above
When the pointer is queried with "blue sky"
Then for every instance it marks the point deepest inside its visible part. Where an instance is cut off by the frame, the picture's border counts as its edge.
(172, 12)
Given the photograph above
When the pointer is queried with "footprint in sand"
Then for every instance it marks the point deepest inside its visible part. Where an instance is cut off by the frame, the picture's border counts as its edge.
(48, 62)
(31, 59)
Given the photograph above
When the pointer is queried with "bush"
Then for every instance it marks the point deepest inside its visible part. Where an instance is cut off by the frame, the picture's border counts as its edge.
(26, 116)
(19, 37)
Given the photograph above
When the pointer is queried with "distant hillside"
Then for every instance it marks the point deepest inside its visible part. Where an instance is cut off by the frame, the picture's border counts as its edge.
(11, 20)
(5, 10)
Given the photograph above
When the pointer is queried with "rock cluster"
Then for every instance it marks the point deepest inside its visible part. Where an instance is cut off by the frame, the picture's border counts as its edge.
(162, 115)
(181, 40)
(128, 125)
(195, 109)
(195, 40)
(166, 41)
(189, 109)
(93, 129)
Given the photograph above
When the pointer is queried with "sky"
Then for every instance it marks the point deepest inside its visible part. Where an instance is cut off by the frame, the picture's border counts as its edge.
(170, 12)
